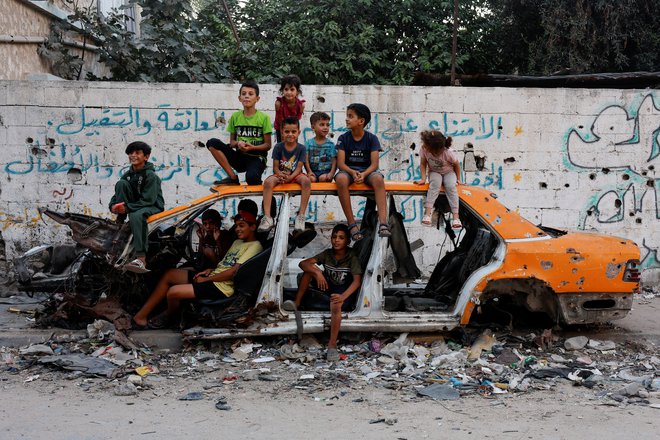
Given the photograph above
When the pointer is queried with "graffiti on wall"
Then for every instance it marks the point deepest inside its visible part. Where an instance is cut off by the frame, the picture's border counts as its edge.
(92, 121)
(75, 158)
(620, 147)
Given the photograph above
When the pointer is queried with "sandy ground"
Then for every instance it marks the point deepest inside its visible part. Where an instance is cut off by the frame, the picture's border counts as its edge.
(60, 406)
(42, 410)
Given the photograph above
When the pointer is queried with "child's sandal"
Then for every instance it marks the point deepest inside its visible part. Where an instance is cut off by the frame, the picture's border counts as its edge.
(384, 230)
(426, 220)
(357, 235)
(456, 224)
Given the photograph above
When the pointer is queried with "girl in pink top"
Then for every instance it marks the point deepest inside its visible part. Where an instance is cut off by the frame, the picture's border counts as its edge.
(443, 169)
(288, 105)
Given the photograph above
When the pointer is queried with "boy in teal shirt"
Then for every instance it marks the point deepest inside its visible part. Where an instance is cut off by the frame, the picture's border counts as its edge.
(250, 139)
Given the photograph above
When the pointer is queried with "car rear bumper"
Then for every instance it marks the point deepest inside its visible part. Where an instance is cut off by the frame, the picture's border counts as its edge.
(587, 308)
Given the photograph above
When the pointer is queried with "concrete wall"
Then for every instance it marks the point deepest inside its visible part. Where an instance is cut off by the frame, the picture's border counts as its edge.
(564, 157)
(27, 24)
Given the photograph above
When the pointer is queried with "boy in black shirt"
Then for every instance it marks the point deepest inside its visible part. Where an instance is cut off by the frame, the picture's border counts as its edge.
(340, 278)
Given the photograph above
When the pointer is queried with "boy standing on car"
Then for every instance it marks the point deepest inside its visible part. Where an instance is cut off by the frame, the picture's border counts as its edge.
(250, 139)
(138, 195)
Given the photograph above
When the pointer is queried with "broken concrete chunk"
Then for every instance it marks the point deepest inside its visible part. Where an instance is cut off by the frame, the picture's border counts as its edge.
(125, 389)
(576, 343)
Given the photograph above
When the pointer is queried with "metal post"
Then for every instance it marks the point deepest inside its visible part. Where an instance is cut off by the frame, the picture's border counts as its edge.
(454, 44)
(231, 22)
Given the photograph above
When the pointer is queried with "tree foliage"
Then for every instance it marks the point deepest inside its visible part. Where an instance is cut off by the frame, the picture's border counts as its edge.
(354, 41)
(366, 41)
(576, 36)
(172, 46)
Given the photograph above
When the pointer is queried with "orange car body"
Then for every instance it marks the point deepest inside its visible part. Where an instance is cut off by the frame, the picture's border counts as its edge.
(579, 277)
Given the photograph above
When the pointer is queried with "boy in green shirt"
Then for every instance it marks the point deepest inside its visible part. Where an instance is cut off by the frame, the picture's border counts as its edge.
(138, 195)
(250, 139)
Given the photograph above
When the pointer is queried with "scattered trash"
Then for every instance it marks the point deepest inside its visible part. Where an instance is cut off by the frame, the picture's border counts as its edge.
(100, 330)
(148, 369)
(89, 365)
(601, 345)
(440, 368)
(263, 360)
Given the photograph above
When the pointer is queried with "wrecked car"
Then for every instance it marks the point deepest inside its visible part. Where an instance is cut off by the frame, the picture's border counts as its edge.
(421, 279)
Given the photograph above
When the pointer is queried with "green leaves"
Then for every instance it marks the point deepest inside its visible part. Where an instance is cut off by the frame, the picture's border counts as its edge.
(363, 41)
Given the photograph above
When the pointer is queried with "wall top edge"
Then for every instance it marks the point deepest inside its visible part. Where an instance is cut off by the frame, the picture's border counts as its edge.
(223, 86)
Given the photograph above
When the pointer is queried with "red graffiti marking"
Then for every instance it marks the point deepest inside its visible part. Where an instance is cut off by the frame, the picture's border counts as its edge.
(57, 193)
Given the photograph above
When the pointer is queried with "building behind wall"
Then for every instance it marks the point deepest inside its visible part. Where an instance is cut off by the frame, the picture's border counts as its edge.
(26, 24)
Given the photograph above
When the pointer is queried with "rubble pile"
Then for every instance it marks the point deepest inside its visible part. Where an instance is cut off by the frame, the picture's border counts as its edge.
(427, 366)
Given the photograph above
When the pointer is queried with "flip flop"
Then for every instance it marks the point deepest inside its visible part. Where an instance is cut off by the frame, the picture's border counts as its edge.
(136, 266)
(357, 235)
(136, 326)
(158, 322)
(332, 355)
(384, 230)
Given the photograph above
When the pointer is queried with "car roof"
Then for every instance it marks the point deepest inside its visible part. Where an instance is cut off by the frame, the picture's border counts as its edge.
(507, 223)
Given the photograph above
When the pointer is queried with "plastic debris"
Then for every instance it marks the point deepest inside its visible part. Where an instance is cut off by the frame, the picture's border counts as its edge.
(147, 369)
(37, 349)
(399, 348)
(89, 365)
(601, 345)
(100, 330)
(193, 395)
(438, 391)
(222, 405)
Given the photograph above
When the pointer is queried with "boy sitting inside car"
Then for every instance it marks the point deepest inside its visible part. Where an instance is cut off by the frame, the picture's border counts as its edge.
(340, 278)
(179, 284)
(137, 196)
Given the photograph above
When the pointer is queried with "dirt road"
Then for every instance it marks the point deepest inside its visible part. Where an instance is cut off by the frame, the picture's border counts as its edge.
(46, 403)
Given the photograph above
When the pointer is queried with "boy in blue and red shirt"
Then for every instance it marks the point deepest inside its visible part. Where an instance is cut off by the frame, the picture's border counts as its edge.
(357, 160)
